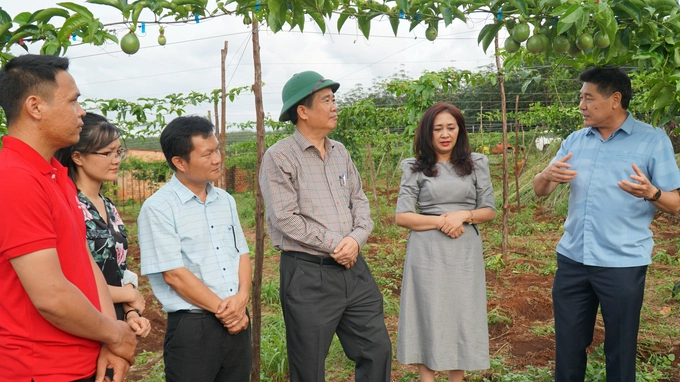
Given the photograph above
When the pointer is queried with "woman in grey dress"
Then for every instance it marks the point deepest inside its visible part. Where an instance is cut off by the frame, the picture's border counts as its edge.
(445, 192)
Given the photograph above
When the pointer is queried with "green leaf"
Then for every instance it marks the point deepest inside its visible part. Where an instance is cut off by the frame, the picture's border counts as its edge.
(487, 34)
(81, 10)
(319, 20)
(44, 15)
(630, 9)
(394, 22)
(521, 5)
(342, 18)
(447, 15)
(22, 18)
(112, 3)
(273, 22)
(76, 21)
(572, 14)
(139, 6)
(5, 27)
(298, 19)
(4, 17)
(364, 23)
(459, 14)
(676, 57)
(50, 47)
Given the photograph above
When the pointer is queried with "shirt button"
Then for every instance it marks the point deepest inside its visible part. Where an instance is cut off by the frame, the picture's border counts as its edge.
(224, 269)
(212, 226)
(218, 248)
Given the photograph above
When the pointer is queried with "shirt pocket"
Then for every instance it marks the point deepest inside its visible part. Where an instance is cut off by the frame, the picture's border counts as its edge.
(621, 164)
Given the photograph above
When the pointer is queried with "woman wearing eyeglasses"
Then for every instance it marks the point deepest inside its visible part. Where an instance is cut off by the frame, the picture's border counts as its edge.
(94, 159)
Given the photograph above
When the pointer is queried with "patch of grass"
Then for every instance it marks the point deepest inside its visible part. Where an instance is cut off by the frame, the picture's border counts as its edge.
(338, 366)
(662, 257)
(655, 369)
(274, 359)
(246, 209)
(497, 316)
(541, 329)
(494, 262)
(270, 293)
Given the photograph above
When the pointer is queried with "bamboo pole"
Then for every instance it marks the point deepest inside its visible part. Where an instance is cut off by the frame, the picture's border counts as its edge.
(504, 242)
(259, 207)
(370, 164)
(516, 152)
(222, 129)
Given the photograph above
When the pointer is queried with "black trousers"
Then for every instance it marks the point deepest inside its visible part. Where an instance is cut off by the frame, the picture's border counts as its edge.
(198, 348)
(578, 290)
(319, 300)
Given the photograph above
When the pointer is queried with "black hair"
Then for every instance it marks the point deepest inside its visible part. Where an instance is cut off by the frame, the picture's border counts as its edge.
(97, 133)
(609, 80)
(176, 137)
(307, 102)
(423, 148)
(26, 75)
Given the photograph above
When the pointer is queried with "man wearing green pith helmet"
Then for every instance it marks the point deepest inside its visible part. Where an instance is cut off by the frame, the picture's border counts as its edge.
(319, 218)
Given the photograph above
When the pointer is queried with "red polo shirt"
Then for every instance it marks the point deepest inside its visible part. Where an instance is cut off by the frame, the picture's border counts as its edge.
(39, 210)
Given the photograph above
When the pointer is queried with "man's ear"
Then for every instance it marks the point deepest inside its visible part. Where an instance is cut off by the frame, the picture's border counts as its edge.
(302, 112)
(33, 106)
(179, 163)
(617, 99)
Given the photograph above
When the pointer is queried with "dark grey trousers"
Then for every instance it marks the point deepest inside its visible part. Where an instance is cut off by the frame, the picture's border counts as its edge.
(578, 290)
(198, 348)
(319, 300)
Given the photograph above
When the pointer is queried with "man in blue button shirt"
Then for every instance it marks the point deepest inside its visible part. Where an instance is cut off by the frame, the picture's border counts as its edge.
(196, 256)
(620, 172)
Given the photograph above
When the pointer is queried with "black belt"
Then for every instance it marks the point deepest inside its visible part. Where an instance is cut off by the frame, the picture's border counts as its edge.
(191, 311)
(321, 260)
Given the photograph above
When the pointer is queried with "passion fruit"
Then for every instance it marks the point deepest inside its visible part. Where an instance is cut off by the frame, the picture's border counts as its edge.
(537, 43)
(601, 40)
(162, 40)
(573, 50)
(129, 43)
(431, 33)
(560, 44)
(520, 32)
(584, 41)
(511, 46)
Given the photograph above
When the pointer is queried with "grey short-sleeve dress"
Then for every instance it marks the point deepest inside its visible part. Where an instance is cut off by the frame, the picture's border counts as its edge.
(443, 318)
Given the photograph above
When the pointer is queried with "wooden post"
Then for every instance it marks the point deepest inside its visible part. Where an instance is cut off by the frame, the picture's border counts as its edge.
(222, 129)
(481, 124)
(259, 207)
(518, 166)
(504, 113)
(369, 158)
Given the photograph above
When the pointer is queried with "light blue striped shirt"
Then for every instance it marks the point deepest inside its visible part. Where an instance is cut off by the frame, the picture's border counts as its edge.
(607, 226)
(177, 230)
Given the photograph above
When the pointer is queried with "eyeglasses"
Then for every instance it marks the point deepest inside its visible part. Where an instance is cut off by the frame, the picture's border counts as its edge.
(120, 153)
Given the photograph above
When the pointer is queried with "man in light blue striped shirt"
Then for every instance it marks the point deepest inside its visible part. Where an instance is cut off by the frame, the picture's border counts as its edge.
(196, 256)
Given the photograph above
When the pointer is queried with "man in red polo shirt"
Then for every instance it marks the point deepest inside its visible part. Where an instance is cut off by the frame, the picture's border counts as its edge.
(56, 317)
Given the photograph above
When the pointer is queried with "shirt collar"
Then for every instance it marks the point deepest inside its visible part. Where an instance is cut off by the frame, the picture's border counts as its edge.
(305, 144)
(31, 156)
(184, 194)
(626, 126)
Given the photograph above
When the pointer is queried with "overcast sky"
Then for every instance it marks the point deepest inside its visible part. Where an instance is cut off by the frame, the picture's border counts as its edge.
(191, 58)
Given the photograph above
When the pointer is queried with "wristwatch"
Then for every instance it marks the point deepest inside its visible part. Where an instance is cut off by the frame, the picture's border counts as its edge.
(655, 197)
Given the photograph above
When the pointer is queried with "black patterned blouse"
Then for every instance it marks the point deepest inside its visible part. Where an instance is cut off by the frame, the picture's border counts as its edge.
(108, 243)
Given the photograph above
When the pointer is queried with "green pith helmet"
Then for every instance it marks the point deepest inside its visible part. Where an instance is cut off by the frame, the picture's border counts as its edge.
(300, 86)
